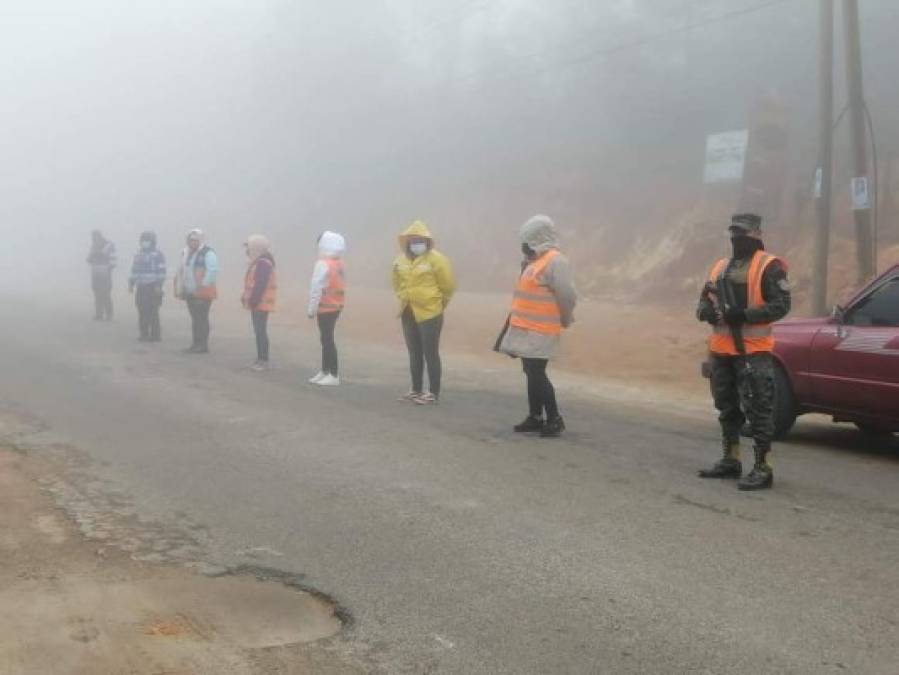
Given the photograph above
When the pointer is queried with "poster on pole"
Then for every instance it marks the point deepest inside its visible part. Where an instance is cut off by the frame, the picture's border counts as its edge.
(725, 156)
(860, 197)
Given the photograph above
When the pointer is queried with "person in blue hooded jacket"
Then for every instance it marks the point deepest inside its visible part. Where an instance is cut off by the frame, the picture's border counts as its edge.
(145, 282)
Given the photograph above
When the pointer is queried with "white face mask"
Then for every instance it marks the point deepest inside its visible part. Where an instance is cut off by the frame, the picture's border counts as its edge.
(418, 248)
(146, 245)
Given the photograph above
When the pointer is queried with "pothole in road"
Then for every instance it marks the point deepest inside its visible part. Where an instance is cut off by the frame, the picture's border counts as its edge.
(110, 611)
(240, 610)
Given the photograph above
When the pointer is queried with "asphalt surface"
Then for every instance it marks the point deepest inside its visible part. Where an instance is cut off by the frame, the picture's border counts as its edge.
(457, 546)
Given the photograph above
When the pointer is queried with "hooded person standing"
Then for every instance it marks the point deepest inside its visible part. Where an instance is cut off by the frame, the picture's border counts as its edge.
(146, 281)
(102, 260)
(195, 283)
(542, 305)
(326, 301)
(260, 289)
(424, 284)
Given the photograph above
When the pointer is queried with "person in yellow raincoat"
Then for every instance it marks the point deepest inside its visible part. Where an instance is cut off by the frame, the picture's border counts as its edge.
(424, 284)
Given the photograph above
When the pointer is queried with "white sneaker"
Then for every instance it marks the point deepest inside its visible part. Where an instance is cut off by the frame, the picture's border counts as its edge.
(318, 376)
(259, 366)
(329, 381)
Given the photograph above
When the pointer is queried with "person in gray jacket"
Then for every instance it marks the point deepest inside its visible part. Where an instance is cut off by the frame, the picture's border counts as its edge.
(542, 306)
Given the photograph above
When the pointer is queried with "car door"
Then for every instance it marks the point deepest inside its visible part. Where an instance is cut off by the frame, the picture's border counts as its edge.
(855, 362)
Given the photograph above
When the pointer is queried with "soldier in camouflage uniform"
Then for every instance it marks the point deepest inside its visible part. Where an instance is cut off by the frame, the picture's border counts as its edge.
(743, 297)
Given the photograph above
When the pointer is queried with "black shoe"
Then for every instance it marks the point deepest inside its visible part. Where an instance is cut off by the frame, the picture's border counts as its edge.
(200, 350)
(531, 424)
(143, 338)
(760, 478)
(553, 428)
(729, 467)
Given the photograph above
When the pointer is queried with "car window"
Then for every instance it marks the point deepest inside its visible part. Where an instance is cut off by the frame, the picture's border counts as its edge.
(879, 308)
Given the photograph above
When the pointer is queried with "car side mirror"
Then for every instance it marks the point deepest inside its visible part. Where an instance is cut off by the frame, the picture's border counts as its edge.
(838, 314)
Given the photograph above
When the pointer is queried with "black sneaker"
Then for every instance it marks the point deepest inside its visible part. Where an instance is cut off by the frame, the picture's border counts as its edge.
(530, 425)
(760, 478)
(553, 428)
(729, 467)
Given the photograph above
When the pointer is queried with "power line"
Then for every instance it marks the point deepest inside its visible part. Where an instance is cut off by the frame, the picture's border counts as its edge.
(641, 41)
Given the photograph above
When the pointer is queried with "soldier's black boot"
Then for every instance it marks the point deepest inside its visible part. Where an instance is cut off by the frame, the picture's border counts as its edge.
(762, 476)
(729, 466)
(553, 428)
(531, 424)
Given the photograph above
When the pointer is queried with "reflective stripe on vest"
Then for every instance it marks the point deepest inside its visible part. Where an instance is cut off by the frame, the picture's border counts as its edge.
(333, 295)
(534, 306)
(267, 303)
(758, 337)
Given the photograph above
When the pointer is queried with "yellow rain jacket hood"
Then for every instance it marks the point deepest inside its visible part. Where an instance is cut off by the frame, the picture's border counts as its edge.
(424, 283)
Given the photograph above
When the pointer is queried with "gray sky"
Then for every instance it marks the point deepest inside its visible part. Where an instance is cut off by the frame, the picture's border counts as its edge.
(290, 117)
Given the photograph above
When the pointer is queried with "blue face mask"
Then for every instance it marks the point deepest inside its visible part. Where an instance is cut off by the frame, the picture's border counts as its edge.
(146, 245)
(418, 248)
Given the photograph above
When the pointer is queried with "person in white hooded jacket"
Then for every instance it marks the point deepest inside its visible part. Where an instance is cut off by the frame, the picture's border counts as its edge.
(326, 301)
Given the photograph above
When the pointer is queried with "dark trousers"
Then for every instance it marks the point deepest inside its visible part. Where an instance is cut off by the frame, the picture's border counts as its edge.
(199, 321)
(148, 299)
(327, 322)
(541, 393)
(102, 287)
(423, 343)
(260, 327)
(743, 386)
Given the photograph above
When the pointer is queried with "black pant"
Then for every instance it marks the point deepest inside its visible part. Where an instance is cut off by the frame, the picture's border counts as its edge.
(199, 321)
(541, 393)
(327, 322)
(260, 327)
(148, 299)
(743, 386)
(102, 287)
(423, 343)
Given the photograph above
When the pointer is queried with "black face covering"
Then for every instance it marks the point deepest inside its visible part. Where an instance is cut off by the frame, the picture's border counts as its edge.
(744, 246)
(528, 251)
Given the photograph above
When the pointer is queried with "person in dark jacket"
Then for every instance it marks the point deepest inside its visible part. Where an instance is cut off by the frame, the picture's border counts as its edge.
(102, 260)
(260, 289)
(146, 281)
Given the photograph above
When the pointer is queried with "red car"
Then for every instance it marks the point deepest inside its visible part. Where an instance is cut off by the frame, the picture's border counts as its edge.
(847, 365)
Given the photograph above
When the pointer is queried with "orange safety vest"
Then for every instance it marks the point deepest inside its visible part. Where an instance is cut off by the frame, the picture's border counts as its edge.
(758, 337)
(333, 294)
(534, 305)
(267, 303)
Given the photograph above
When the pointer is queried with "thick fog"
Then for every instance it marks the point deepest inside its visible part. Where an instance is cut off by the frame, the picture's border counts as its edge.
(288, 117)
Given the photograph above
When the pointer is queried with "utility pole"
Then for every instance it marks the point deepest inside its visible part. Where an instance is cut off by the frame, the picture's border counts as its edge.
(824, 174)
(855, 88)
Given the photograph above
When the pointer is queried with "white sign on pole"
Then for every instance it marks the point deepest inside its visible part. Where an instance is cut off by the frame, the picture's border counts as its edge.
(725, 156)
(860, 198)
(819, 182)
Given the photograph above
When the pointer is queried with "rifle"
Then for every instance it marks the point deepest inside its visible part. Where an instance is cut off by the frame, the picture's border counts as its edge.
(727, 300)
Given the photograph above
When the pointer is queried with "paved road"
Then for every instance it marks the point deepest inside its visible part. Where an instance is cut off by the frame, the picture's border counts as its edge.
(460, 548)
